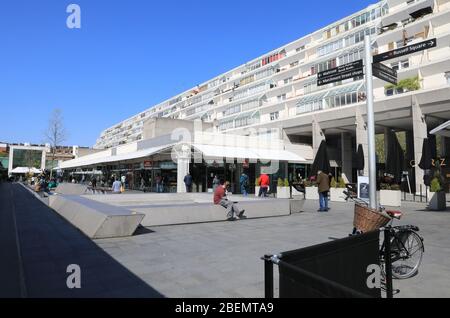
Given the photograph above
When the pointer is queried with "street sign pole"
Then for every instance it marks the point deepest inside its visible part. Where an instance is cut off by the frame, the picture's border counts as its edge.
(371, 126)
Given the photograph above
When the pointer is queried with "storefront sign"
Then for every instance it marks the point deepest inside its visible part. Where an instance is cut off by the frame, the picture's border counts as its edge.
(168, 165)
(148, 164)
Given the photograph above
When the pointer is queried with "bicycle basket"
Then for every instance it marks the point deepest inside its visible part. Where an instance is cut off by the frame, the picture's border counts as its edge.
(368, 220)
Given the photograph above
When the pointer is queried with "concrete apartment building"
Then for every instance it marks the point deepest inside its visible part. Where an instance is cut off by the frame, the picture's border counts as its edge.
(277, 94)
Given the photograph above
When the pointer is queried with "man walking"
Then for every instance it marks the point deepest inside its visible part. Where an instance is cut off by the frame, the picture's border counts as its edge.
(94, 184)
(188, 183)
(220, 198)
(159, 186)
(323, 183)
(264, 183)
(243, 181)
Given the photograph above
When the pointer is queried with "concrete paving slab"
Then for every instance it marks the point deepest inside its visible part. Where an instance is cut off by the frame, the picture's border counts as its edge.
(224, 257)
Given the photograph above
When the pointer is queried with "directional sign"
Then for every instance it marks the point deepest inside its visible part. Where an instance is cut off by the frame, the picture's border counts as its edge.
(405, 51)
(385, 69)
(384, 73)
(341, 69)
(384, 76)
(340, 77)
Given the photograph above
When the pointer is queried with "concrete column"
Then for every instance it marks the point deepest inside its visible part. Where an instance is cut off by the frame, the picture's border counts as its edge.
(183, 162)
(43, 160)
(410, 159)
(362, 138)
(318, 136)
(347, 155)
(10, 163)
(420, 131)
(386, 143)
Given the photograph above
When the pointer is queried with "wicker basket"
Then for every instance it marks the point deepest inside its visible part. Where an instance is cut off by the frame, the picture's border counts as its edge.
(368, 220)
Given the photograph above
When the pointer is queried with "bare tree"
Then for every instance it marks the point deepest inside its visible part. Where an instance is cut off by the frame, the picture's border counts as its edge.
(55, 134)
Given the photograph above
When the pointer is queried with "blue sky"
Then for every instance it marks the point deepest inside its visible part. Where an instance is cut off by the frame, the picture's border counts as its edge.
(130, 55)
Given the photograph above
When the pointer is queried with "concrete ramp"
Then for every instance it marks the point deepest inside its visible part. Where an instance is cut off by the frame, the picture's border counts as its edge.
(71, 189)
(95, 219)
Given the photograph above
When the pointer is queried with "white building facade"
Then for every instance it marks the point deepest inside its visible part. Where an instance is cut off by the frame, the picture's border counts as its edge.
(278, 94)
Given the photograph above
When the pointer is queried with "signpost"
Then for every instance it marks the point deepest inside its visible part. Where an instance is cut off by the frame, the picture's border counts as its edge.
(428, 44)
(373, 200)
(337, 74)
(384, 73)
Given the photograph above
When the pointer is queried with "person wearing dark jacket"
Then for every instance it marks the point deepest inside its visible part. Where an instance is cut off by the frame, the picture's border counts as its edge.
(188, 182)
(323, 183)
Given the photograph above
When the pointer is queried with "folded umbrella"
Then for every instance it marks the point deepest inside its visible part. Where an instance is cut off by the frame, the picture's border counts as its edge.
(322, 161)
(360, 161)
(426, 161)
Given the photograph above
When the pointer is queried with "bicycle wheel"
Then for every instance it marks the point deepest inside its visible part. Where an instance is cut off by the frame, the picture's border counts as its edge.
(407, 253)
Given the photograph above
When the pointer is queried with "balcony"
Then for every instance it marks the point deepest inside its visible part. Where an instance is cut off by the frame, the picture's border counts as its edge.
(415, 10)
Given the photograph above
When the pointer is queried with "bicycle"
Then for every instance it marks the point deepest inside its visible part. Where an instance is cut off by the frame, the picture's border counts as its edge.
(407, 246)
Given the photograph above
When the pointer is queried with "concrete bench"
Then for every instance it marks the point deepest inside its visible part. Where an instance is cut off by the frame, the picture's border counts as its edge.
(95, 219)
(187, 213)
(71, 189)
(102, 190)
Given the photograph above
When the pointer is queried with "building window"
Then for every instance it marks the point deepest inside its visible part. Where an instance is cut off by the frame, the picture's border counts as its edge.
(232, 110)
(274, 116)
(288, 80)
(329, 48)
(400, 65)
(310, 87)
(281, 97)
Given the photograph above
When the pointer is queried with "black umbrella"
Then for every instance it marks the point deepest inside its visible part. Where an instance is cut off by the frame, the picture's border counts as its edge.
(360, 161)
(426, 161)
(322, 161)
(395, 161)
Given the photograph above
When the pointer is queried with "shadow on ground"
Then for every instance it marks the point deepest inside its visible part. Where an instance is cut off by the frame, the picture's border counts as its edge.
(40, 246)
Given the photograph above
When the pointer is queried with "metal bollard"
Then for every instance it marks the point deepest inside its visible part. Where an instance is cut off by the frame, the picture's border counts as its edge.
(421, 194)
(388, 263)
(268, 277)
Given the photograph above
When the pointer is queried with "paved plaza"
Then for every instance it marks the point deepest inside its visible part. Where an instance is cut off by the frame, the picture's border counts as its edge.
(219, 259)
(223, 259)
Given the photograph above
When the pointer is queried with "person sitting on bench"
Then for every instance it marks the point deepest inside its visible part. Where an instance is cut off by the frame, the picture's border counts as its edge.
(220, 198)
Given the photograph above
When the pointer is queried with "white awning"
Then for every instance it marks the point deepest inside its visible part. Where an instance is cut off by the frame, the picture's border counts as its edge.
(86, 161)
(23, 170)
(442, 130)
(210, 151)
